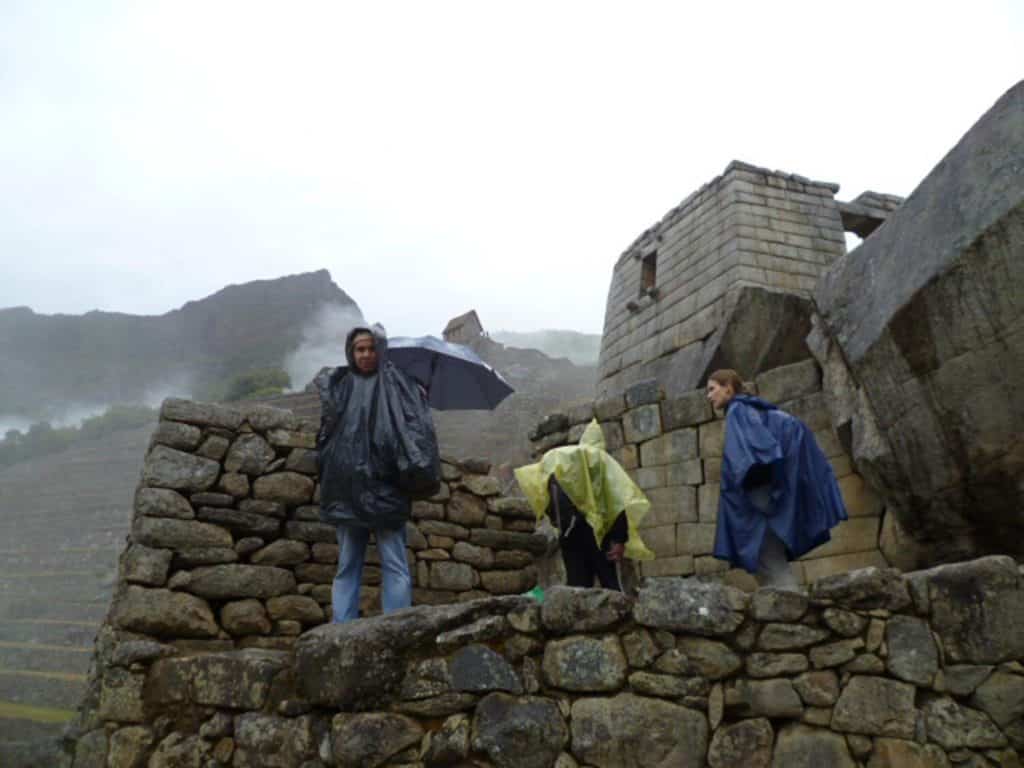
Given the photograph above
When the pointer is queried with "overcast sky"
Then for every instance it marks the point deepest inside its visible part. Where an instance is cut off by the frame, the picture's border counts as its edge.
(437, 156)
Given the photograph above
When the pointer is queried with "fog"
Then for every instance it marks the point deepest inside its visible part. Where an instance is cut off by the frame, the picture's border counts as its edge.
(323, 343)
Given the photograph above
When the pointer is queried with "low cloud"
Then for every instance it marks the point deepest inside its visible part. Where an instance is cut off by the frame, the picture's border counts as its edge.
(323, 343)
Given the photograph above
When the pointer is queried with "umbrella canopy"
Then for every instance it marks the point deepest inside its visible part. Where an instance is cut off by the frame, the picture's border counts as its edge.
(455, 377)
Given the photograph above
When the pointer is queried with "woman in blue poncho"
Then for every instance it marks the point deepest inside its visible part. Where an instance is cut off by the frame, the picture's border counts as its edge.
(779, 497)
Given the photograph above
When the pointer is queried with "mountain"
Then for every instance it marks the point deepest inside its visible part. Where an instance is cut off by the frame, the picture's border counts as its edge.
(580, 348)
(49, 361)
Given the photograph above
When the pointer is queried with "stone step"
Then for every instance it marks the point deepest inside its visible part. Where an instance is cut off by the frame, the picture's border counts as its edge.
(47, 558)
(52, 689)
(45, 657)
(49, 631)
(15, 607)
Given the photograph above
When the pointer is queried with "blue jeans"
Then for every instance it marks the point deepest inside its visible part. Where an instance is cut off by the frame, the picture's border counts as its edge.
(396, 581)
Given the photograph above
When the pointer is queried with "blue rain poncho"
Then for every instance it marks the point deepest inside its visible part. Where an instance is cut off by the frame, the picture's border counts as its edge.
(764, 445)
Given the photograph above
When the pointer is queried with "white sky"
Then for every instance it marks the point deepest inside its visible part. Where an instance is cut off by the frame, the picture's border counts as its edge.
(437, 156)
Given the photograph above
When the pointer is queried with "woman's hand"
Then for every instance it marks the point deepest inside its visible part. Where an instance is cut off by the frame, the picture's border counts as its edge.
(616, 551)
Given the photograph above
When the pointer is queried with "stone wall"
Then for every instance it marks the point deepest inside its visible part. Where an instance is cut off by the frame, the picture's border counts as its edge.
(226, 547)
(749, 227)
(867, 669)
(672, 447)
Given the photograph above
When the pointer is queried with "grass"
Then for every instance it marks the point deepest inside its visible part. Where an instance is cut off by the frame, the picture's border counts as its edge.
(45, 647)
(71, 677)
(12, 711)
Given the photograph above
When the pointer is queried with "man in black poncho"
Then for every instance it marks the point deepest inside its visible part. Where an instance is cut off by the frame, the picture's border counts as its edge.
(376, 440)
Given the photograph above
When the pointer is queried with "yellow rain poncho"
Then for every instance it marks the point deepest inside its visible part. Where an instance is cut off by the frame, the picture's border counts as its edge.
(595, 482)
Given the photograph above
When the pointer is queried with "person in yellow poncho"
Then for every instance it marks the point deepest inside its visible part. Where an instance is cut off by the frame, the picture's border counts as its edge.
(593, 503)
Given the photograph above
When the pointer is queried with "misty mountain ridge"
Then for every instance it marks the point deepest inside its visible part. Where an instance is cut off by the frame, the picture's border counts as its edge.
(50, 362)
(579, 348)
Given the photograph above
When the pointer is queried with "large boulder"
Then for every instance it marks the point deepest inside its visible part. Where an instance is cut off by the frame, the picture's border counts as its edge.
(920, 338)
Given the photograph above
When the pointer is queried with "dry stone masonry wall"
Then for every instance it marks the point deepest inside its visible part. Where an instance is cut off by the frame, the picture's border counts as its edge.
(672, 447)
(863, 670)
(226, 547)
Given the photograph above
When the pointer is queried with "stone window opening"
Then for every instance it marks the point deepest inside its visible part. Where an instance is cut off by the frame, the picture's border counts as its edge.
(649, 274)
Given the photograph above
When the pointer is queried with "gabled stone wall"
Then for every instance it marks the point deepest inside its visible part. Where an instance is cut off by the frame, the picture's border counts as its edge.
(869, 669)
(672, 447)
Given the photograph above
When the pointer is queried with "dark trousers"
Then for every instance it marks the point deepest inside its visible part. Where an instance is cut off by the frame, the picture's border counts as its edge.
(584, 560)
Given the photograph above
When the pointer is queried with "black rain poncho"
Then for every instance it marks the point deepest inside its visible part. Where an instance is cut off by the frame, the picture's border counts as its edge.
(377, 446)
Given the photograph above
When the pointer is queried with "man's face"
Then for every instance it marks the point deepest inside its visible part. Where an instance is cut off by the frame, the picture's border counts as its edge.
(364, 350)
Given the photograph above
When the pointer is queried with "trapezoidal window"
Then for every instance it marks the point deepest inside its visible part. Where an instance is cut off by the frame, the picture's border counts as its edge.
(649, 272)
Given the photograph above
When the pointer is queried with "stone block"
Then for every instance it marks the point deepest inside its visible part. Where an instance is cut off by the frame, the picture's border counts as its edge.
(169, 468)
(641, 423)
(689, 606)
(200, 414)
(249, 454)
(580, 413)
(670, 448)
(801, 746)
(679, 565)
(688, 410)
(826, 567)
(289, 488)
(146, 566)
(584, 663)
(707, 502)
(913, 656)
(628, 456)
(184, 437)
(858, 534)
(519, 732)
(812, 410)
(162, 502)
(660, 539)
(629, 730)
(173, 534)
(858, 498)
(976, 608)
(789, 382)
(684, 473)
(875, 706)
(608, 408)
(695, 539)
(712, 470)
(225, 582)
(763, 698)
(712, 439)
(675, 504)
(162, 613)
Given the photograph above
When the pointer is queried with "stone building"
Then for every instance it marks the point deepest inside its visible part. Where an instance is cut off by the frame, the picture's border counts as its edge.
(724, 279)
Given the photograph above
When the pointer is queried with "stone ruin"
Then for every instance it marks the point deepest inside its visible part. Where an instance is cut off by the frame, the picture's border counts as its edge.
(216, 650)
